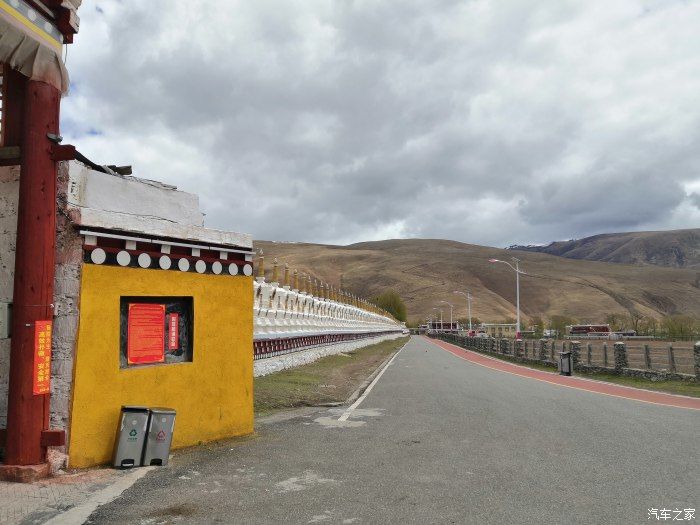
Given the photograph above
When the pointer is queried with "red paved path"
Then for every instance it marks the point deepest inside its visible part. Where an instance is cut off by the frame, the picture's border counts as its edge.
(599, 387)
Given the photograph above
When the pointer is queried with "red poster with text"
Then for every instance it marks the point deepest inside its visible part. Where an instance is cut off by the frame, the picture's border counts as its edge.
(173, 331)
(41, 383)
(146, 333)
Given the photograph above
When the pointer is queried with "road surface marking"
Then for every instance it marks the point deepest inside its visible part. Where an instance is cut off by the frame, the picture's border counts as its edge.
(357, 421)
(80, 513)
(587, 385)
(348, 412)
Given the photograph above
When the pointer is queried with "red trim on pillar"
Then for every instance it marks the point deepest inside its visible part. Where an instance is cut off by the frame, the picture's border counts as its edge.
(15, 85)
(62, 152)
(53, 438)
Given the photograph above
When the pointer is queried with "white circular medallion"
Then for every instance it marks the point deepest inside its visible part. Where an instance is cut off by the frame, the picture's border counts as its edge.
(183, 264)
(123, 258)
(248, 270)
(200, 266)
(164, 262)
(216, 267)
(31, 14)
(144, 260)
(233, 269)
(98, 256)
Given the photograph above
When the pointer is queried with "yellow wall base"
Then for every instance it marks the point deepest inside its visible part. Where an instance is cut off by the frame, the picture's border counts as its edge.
(213, 394)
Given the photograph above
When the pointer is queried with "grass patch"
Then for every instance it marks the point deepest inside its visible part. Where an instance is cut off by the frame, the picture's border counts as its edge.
(330, 379)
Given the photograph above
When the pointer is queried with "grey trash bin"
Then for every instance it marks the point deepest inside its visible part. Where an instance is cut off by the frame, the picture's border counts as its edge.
(565, 363)
(160, 435)
(131, 434)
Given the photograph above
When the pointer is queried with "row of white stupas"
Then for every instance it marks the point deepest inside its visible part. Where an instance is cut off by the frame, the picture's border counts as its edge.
(288, 310)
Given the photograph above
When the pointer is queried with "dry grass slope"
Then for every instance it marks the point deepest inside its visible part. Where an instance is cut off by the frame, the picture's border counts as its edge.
(425, 271)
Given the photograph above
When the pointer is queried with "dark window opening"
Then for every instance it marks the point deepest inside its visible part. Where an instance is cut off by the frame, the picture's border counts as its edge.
(155, 330)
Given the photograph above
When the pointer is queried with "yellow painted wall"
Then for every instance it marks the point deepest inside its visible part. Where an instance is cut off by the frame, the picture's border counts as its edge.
(213, 394)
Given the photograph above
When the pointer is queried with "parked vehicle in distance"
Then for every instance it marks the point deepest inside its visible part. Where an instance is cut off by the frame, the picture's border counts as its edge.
(588, 329)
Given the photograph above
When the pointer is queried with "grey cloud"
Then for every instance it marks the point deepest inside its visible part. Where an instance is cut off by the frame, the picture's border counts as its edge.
(695, 199)
(487, 122)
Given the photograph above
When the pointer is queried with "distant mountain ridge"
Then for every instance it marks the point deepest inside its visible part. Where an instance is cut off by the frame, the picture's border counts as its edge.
(674, 248)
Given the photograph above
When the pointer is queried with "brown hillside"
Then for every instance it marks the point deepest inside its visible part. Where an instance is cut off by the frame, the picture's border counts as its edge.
(425, 271)
(675, 248)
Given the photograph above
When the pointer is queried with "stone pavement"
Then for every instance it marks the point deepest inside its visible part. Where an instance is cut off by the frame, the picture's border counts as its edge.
(38, 502)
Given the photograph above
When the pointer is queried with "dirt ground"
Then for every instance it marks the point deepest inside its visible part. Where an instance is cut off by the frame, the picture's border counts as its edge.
(331, 379)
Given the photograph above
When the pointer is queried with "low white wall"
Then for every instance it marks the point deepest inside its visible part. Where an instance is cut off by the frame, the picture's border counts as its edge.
(131, 196)
(270, 365)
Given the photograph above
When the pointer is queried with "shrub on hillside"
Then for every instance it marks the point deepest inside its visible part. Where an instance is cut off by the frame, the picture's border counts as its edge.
(392, 303)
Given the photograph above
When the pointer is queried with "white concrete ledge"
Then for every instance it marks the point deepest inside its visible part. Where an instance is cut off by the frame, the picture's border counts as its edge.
(270, 365)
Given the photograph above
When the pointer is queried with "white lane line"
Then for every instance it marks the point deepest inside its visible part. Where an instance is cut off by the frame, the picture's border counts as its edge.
(80, 513)
(348, 412)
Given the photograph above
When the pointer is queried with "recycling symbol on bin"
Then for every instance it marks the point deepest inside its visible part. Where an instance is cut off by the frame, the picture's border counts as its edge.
(160, 436)
(133, 432)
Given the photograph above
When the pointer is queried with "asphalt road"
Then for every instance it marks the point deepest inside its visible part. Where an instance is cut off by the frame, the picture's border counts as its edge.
(437, 440)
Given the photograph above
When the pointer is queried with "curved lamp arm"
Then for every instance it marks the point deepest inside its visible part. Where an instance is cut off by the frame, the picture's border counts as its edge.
(511, 266)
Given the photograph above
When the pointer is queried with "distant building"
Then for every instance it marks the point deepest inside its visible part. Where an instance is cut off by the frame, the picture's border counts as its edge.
(437, 326)
(498, 329)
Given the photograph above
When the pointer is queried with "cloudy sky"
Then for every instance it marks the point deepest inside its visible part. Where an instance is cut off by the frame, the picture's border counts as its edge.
(485, 121)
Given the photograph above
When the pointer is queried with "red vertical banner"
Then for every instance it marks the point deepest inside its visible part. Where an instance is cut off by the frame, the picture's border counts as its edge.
(173, 331)
(146, 333)
(42, 358)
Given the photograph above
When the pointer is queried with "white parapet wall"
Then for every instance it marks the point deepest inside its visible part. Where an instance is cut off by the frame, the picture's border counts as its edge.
(281, 312)
(294, 327)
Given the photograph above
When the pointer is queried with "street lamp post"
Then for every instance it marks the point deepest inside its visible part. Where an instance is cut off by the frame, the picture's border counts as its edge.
(441, 326)
(450, 305)
(468, 295)
(517, 270)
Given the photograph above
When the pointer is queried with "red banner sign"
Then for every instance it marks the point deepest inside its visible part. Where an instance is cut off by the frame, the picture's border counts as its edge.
(42, 358)
(173, 331)
(146, 333)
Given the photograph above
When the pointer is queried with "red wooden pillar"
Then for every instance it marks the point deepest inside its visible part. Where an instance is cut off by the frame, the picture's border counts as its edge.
(28, 414)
